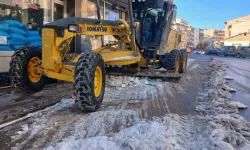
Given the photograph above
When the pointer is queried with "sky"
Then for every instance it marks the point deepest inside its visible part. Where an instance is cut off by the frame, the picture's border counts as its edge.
(211, 14)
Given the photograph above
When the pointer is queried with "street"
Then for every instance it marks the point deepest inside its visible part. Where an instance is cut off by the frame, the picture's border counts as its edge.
(124, 75)
(153, 113)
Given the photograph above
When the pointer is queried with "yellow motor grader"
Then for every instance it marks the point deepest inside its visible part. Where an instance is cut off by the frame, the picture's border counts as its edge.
(137, 51)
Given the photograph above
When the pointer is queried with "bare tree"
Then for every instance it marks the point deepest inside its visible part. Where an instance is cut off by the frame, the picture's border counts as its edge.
(202, 45)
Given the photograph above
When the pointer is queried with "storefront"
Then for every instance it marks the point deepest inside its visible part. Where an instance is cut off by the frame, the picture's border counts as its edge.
(39, 12)
(106, 13)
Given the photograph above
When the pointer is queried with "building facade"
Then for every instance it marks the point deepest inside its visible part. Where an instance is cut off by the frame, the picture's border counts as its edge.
(216, 37)
(242, 39)
(182, 22)
(41, 12)
(196, 36)
(201, 34)
(237, 26)
(190, 37)
(240, 28)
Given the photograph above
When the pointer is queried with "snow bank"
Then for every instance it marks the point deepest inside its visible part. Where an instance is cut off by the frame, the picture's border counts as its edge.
(170, 132)
(215, 99)
(214, 96)
(218, 126)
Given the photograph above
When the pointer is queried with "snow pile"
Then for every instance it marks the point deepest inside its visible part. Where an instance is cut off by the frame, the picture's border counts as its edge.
(38, 120)
(215, 99)
(170, 132)
(103, 123)
(50, 128)
(217, 127)
(214, 96)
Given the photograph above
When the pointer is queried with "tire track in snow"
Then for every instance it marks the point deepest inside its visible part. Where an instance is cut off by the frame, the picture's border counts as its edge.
(63, 121)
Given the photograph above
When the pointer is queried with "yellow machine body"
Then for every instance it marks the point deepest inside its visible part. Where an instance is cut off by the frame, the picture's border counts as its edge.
(54, 49)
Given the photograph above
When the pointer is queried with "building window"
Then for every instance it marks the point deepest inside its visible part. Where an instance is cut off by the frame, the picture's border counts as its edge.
(91, 10)
(24, 12)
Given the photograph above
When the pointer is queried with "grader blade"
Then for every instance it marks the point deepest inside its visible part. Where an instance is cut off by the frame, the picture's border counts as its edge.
(148, 73)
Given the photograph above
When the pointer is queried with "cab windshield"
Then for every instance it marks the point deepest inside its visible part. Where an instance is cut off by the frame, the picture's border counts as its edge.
(153, 22)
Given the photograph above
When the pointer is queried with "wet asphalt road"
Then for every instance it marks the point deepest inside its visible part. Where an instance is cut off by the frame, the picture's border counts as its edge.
(178, 98)
(239, 70)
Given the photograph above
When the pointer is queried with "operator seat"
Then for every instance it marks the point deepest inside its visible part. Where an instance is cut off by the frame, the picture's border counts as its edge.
(146, 29)
(80, 44)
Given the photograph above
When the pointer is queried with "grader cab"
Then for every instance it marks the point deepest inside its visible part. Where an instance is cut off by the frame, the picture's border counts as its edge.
(137, 51)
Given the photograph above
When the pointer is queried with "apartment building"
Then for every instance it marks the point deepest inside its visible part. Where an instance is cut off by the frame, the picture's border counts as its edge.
(237, 26)
(242, 39)
(196, 36)
(217, 35)
(201, 34)
(182, 22)
(190, 37)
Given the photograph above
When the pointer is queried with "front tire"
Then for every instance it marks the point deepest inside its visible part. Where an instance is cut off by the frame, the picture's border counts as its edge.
(23, 70)
(238, 55)
(89, 81)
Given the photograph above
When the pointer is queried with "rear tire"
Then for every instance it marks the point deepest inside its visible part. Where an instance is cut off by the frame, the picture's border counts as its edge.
(183, 65)
(89, 94)
(19, 74)
(172, 61)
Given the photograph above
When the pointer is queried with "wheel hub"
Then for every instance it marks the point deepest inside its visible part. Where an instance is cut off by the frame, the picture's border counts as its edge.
(33, 65)
(185, 62)
(98, 82)
(177, 65)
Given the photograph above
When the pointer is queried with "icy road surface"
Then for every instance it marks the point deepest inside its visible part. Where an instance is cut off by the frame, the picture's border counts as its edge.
(138, 114)
(238, 69)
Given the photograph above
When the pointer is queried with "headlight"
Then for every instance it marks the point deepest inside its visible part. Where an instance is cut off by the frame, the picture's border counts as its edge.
(72, 28)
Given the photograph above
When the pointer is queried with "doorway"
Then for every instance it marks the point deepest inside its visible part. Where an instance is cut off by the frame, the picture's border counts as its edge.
(59, 9)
